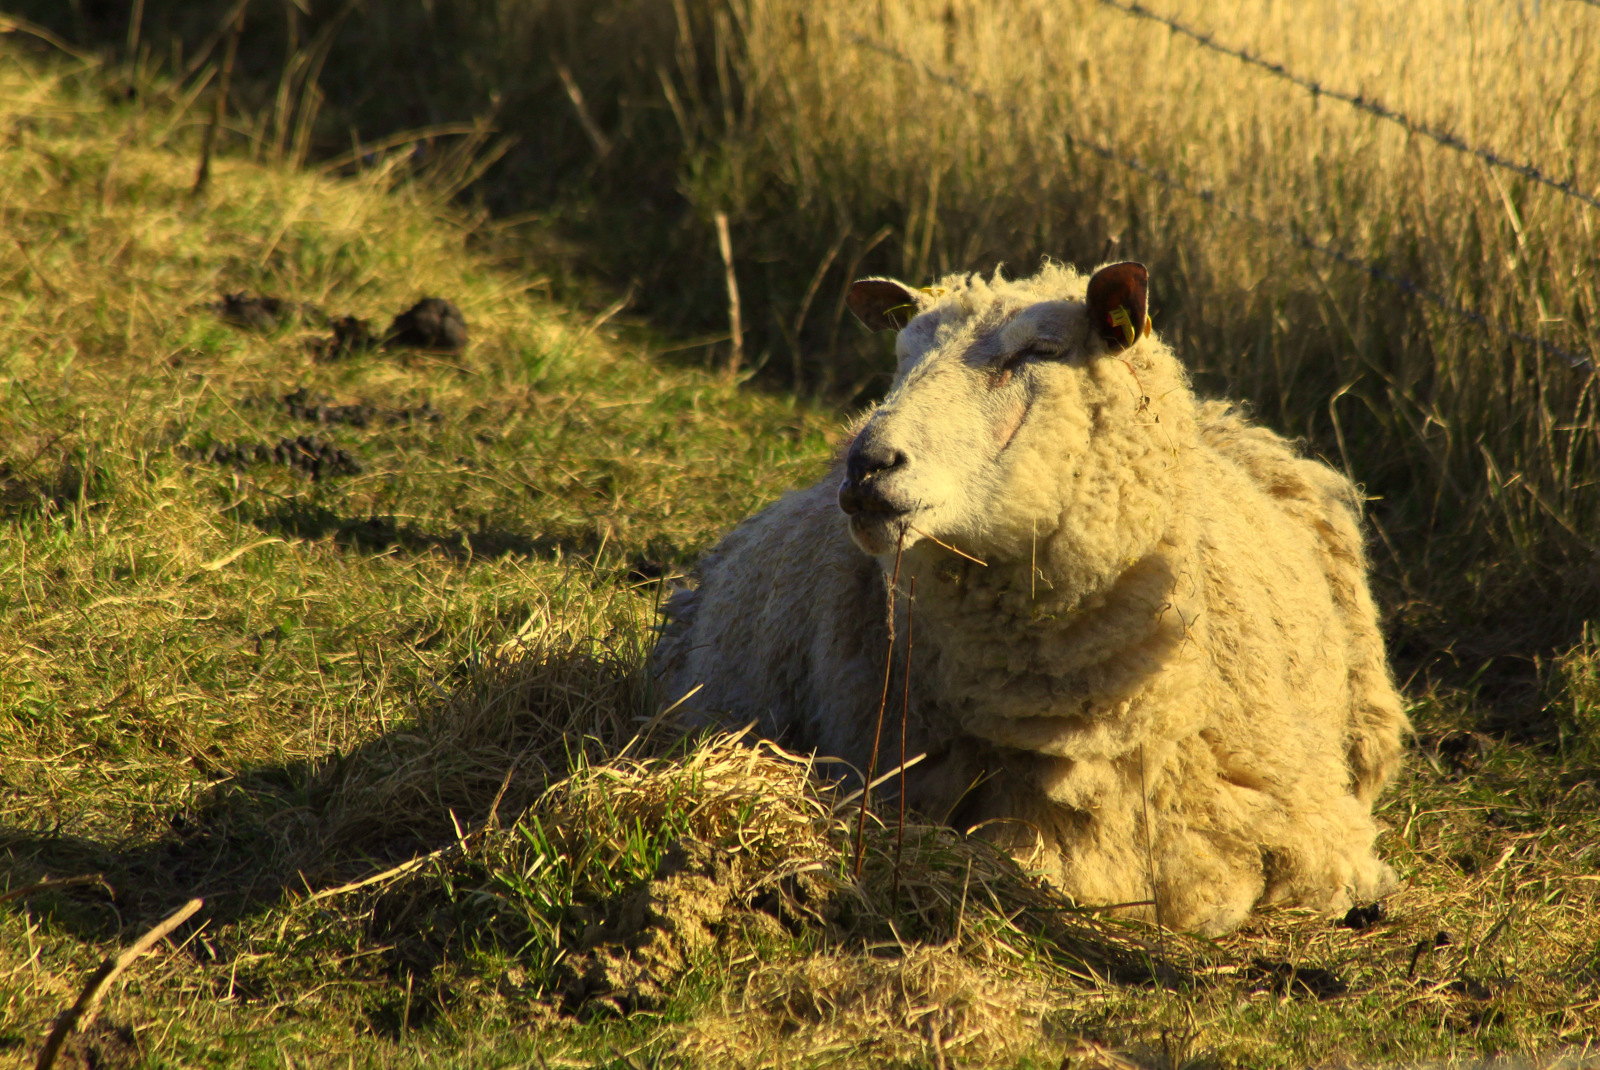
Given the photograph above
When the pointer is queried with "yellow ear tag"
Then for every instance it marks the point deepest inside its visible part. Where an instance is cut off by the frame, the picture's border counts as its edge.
(1120, 318)
(934, 291)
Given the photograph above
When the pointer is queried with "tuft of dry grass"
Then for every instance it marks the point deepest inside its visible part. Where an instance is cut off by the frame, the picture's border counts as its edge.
(724, 867)
(931, 1004)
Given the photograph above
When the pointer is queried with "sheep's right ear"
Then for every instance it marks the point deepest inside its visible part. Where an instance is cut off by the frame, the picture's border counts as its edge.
(882, 304)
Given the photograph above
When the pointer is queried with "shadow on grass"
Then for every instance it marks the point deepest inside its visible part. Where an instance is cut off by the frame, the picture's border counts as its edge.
(380, 534)
(652, 850)
(263, 830)
(376, 534)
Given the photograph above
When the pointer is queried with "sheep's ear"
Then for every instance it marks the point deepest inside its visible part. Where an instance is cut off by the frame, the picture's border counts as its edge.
(882, 304)
(1117, 302)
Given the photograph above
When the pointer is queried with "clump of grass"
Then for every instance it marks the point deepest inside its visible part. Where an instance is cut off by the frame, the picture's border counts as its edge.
(720, 867)
(1576, 698)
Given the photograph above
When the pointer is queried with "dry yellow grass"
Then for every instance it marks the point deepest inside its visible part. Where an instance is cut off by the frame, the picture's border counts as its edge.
(1460, 428)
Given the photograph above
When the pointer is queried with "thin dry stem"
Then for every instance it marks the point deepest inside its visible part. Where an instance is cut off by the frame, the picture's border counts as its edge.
(883, 701)
(202, 176)
(905, 716)
(602, 143)
(1150, 854)
(947, 546)
(49, 885)
(735, 314)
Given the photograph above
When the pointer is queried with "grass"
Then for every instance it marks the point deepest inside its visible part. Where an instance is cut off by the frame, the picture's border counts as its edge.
(384, 719)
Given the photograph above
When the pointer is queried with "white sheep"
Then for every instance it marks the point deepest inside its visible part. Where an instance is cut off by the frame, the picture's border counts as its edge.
(1166, 674)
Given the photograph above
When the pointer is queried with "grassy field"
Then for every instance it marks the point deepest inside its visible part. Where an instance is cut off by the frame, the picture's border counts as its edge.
(350, 645)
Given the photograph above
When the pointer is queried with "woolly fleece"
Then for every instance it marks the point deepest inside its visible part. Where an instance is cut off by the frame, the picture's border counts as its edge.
(1168, 673)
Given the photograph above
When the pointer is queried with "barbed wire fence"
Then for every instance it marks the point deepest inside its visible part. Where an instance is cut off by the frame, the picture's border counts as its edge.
(1371, 105)
(1210, 197)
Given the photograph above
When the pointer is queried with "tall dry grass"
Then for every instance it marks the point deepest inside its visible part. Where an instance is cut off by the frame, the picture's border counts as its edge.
(916, 137)
(1480, 448)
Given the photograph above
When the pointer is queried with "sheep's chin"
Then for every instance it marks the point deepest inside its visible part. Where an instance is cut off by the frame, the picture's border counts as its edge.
(879, 534)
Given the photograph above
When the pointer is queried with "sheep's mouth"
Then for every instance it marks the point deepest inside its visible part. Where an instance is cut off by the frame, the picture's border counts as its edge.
(883, 531)
(880, 519)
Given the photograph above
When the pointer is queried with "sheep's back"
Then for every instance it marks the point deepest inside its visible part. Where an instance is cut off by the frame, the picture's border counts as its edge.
(1322, 503)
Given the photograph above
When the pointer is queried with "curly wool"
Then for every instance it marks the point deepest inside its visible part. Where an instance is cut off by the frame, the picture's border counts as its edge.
(1165, 683)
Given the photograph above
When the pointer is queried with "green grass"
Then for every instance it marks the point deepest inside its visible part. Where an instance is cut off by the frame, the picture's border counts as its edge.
(238, 681)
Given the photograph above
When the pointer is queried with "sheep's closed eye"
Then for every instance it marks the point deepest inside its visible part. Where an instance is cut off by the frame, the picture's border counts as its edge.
(1035, 350)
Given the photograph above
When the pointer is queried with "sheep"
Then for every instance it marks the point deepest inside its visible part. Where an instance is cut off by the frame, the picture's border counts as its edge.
(1146, 657)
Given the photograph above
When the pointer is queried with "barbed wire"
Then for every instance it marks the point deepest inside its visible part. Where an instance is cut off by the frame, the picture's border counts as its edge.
(1371, 105)
(1210, 197)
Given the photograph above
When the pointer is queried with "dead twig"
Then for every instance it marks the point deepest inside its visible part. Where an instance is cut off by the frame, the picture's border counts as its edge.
(605, 315)
(135, 24)
(947, 546)
(805, 302)
(48, 885)
(33, 265)
(409, 866)
(602, 144)
(100, 981)
(1150, 856)
(202, 177)
(12, 24)
(462, 842)
(735, 318)
(372, 149)
(877, 782)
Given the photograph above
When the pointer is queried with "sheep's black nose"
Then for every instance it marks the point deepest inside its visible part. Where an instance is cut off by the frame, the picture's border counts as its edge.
(867, 459)
(862, 491)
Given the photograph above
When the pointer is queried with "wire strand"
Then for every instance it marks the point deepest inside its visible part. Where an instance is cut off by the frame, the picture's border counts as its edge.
(1282, 230)
(1371, 105)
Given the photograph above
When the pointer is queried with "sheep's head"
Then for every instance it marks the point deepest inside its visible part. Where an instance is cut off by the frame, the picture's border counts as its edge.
(1001, 394)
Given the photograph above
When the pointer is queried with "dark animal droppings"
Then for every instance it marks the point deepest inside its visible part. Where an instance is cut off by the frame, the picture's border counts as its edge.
(254, 313)
(1461, 753)
(307, 454)
(261, 313)
(432, 323)
(1362, 917)
(351, 336)
(645, 569)
(1295, 981)
(1472, 988)
(304, 405)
